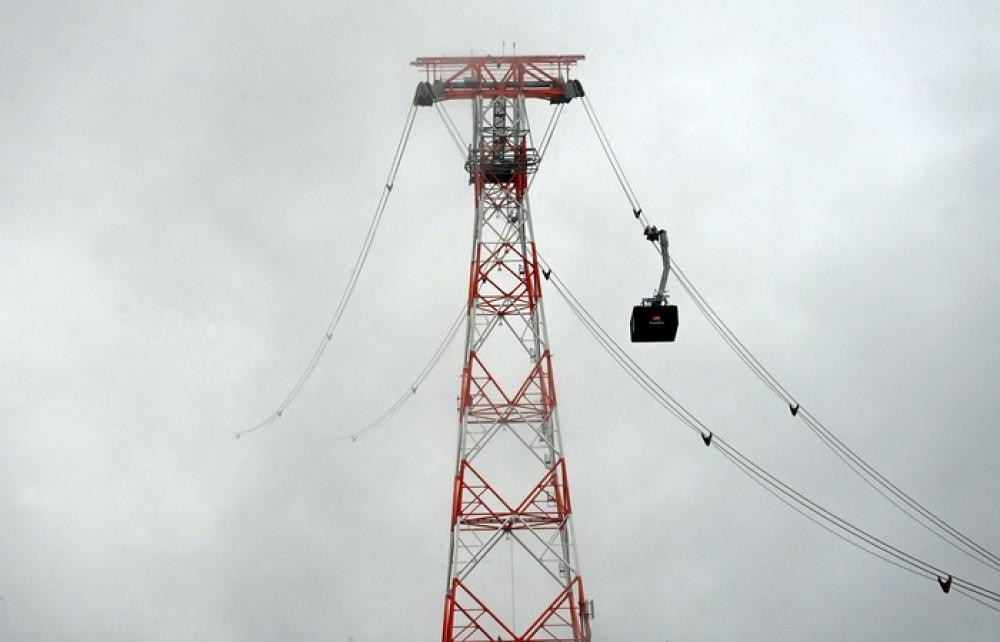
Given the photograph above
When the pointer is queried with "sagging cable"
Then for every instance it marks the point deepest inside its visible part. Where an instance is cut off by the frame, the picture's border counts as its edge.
(352, 282)
(860, 537)
(453, 132)
(904, 502)
(394, 409)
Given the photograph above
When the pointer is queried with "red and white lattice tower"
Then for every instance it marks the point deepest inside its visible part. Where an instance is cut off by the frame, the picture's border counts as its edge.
(512, 568)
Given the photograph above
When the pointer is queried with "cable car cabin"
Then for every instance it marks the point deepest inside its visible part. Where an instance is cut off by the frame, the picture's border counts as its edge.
(656, 322)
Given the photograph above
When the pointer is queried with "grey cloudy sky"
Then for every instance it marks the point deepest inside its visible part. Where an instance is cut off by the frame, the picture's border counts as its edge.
(183, 189)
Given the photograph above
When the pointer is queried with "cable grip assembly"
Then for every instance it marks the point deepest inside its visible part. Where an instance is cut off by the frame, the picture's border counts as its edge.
(654, 320)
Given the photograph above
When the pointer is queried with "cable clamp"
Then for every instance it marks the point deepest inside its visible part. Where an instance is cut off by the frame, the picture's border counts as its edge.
(637, 212)
(793, 408)
(707, 438)
(944, 583)
(546, 273)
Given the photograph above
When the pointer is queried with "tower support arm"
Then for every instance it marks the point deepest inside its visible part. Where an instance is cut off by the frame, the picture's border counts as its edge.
(456, 78)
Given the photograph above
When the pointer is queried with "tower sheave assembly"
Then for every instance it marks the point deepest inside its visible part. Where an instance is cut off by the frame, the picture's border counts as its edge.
(513, 573)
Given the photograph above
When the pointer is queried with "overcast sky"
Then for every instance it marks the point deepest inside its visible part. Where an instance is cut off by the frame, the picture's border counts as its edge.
(184, 187)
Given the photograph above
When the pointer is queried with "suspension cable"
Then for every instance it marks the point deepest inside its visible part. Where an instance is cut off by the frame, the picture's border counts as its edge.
(609, 153)
(389, 413)
(850, 463)
(397, 406)
(550, 130)
(394, 409)
(861, 538)
(816, 521)
(352, 282)
(904, 502)
(453, 131)
(858, 465)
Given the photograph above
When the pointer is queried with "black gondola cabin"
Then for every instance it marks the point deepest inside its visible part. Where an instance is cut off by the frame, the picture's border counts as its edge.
(654, 323)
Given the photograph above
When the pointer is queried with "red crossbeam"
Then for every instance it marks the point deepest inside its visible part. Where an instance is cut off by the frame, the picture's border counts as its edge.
(468, 619)
(480, 507)
(484, 398)
(505, 279)
(491, 76)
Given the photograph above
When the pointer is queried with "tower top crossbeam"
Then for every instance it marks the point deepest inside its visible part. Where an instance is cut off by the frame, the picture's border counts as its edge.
(462, 77)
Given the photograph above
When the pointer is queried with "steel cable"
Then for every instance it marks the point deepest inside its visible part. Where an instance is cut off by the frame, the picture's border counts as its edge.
(814, 520)
(857, 464)
(394, 409)
(609, 153)
(547, 135)
(453, 131)
(860, 467)
(550, 130)
(862, 538)
(352, 282)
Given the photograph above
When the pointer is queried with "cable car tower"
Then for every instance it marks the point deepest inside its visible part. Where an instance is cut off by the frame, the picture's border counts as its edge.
(513, 573)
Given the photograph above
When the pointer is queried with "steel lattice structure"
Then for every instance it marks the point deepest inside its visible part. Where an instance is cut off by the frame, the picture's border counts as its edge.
(511, 489)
